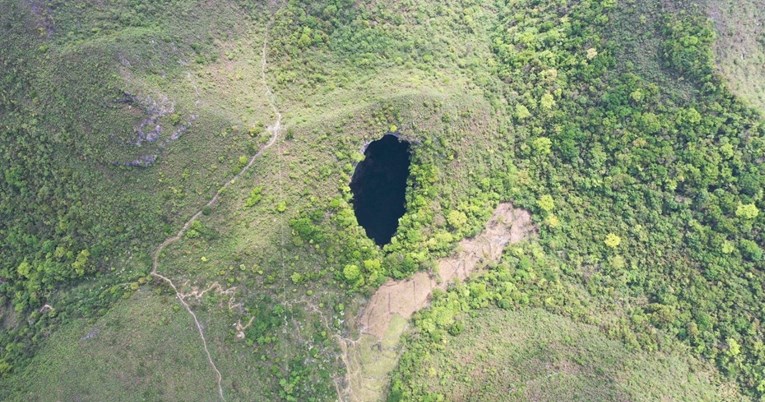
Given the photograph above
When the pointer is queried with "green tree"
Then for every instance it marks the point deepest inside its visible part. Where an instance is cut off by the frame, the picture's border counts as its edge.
(372, 265)
(281, 207)
(552, 221)
(637, 96)
(747, 211)
(24, 269)
(612, 240)
(255, 196)
(734, 348)
(547, 102)
(373, 268)
(546, 203)
(728, 247)
(81, 261)
(305, 38)
(542, 146)
(751, 250)
(5, 367)
(352, 273)
(650, 123)
(456, 219)
(522, 112)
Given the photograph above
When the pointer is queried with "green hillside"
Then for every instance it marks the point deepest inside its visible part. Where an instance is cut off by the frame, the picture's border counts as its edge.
(740, 47)
(529, 354)
(177, 222)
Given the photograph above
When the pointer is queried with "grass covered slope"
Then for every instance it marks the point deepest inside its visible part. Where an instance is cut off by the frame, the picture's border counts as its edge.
(531, 354)
(740, 47)
(116, 359)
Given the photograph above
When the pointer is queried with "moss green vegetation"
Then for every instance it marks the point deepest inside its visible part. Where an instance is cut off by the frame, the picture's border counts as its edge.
(103, 358)
(530, 354)
(605, 119)
(740, 47)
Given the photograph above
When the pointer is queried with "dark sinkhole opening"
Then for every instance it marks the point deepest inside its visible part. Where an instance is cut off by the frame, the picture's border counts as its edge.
(379, 187)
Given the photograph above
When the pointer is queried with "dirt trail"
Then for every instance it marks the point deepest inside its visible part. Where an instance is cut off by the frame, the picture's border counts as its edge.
(370, 359)
(274, 129)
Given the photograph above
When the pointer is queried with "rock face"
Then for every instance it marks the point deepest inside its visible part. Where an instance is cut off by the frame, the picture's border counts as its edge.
(149, 130)
(43, 16)
(383, 320)
(143, 161)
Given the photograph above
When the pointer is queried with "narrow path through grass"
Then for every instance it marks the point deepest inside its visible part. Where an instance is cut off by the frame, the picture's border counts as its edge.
(274, 129)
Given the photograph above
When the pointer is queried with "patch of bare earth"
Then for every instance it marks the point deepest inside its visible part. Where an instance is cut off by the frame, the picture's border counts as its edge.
(370, 359)
(43, 18)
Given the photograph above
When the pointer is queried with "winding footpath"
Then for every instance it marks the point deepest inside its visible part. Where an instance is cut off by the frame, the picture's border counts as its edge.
(274, 129)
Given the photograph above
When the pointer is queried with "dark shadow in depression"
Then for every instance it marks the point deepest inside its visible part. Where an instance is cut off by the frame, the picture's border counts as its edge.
(379, 187)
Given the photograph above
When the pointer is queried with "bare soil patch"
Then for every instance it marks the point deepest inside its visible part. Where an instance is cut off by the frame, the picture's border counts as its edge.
(507, 225)
(371, 358)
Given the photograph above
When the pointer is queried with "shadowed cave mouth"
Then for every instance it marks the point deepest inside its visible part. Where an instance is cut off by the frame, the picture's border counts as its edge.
(379, 187)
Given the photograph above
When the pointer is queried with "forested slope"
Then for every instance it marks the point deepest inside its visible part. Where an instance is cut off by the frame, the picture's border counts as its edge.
(91, 97)
(647, 178)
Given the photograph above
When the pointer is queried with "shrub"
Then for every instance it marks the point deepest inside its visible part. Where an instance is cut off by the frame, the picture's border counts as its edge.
(255, 196)
(522, 112)
(546, 203)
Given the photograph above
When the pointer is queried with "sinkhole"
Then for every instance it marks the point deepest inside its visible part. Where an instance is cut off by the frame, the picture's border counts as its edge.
(379, 187)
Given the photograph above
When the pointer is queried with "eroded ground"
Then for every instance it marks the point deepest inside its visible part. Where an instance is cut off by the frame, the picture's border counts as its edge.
(383, 320)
